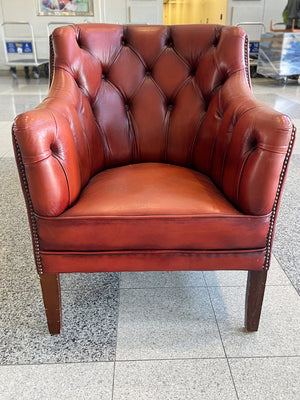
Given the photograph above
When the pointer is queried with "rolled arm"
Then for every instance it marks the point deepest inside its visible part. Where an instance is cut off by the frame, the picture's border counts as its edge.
(50, 159)
(57, 143)
(251, 148)
(260, 144)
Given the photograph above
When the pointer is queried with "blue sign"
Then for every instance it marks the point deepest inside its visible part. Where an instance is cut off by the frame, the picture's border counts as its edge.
(254, 47)
(19, 47)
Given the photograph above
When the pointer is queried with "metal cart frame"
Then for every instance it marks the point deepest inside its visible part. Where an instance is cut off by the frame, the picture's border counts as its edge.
(34, 61)
(253, 46)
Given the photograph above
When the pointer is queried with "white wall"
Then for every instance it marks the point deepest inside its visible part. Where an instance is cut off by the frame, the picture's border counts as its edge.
(255, 11)
(273, 11)
(115, 11)
(112, 11)
(25, 10)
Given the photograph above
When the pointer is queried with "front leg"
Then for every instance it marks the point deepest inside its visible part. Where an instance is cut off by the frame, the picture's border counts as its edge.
(254, 298)
(50, 284)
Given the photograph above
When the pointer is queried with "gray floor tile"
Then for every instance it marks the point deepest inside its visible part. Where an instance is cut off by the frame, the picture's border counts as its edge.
(276, 277)
(287, 236)
(89, 328)
(133, 280)
(19, 274)
(6, 145)
(17, 270)
(92, 281)
(267, 378)
(173, 380)
(296, 149)
(9, 153)
(5, 136)
(59, 382)
(279, 330)
(291, 91)
(167, 323)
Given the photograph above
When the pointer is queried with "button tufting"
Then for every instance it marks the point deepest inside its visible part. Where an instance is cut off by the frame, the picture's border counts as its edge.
(104, 76)
(216, 42)
(193, 72)
(123, 42)
(126, 107)
(148, 73)
(170, 43)
(53, 149)
(170, 107)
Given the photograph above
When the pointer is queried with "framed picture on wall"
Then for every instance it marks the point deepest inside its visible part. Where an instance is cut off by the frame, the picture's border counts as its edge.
(65, 7)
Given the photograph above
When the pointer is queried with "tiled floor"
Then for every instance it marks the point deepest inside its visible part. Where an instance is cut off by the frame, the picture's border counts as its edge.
(151, 335)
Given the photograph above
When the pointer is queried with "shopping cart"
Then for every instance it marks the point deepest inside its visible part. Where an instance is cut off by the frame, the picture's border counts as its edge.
(253, 46)
(20, 49)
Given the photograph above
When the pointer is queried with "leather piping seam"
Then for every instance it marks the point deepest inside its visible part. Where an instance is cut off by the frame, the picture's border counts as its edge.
(240, 174)
(152, 217)
(56, 157)
(79, 110)
(38, 159)
(263, 147)
(150, 252)
(167, 123)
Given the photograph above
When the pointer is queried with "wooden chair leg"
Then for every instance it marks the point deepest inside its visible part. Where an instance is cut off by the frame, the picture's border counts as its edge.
(254, 298)
(50, 284)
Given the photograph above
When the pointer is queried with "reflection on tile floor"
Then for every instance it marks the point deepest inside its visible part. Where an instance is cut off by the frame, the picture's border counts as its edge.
(151, 335)
(167, 323)
(280, 103)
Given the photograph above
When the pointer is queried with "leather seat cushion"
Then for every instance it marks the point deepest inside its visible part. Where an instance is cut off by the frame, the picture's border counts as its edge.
(151, 206)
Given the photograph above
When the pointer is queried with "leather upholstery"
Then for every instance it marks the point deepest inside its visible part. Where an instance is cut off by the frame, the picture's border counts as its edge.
(151, 206)
(151, 151)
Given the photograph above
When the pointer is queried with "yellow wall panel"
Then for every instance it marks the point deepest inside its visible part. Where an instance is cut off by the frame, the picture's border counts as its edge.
(195, 12)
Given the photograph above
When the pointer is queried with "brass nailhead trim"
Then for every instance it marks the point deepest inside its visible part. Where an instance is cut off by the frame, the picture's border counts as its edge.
(281, 178)
(275, 205)
(36, 245)
(247, 60)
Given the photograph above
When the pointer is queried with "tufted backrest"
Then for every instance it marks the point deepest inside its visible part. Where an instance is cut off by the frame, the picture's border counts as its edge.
(147, 88)
(129, 94)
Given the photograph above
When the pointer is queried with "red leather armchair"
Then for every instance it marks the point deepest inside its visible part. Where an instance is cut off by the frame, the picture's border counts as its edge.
(151, 153)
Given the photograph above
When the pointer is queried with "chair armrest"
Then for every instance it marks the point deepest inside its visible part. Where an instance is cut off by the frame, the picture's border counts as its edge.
(57, 143)
(252, 146)
(50, 159)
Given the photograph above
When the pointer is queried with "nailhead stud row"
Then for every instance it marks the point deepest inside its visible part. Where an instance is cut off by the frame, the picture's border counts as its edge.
(275, 205)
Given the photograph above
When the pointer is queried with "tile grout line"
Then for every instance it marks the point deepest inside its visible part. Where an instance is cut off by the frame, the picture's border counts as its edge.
(206, 358)
(211, 303)
(117, 328)
(197, 286)
(151, 360)
(159, 287)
